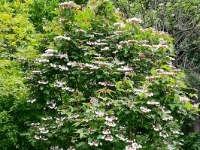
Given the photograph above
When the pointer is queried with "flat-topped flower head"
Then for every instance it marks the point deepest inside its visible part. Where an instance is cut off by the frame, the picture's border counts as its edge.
(37, 137)
(43, 82)
(106, 131)
(99, 113)
(134, 20)
(145, 110)
(107, 137)
(121, 137)
(110, 124)
(125, 69)
(93, 143)
(153, 103)
(49, 51)
(157, 127)
(62, 37)
(119, 24)
(44, 131)
(111, 118)
(69, 4)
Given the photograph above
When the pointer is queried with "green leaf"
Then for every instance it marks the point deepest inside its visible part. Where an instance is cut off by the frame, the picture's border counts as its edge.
(153, 71)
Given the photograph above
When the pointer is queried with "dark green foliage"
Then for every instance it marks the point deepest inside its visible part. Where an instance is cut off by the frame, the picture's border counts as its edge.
(192, 142)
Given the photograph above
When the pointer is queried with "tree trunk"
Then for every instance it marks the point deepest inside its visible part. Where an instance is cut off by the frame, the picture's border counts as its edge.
(197, 120)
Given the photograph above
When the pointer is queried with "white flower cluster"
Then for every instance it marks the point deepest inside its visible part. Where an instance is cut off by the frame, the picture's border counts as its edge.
(93, 143)
(51, 104)
(119, 24)
(153, 103)
(99, 113)
(134, 20)
(67, 4)
(125, 69)
(109, 121)
(42, 60)
(145, 110)
(107, 137)
(59, 84)
(157, 127)
(106, 83)
(133, 146)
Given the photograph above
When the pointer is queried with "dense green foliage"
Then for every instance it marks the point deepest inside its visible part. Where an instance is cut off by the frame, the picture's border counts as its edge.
(104, 81)
(17, 43)
(192, 142)
(96, 79)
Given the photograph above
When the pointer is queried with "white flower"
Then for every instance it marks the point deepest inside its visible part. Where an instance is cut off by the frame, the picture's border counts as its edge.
(153, 103)
(37, 137)
(91, 130)
(129, 147)
(134, 20)
(80, 30)
(119, 24)
(99, 113)
(43, 82)
(31, 101)
(121, 137)
(93, 143)
(62, 37)
(35, 124)
(42, 60)
(68, 89)
(111, 118)
(50, 51)
(41, 128)
(59, 84)
(53, 65)
(106, 83)
(132, 41)
(44, 131)
(167, 118)
(51, 104)
(157, 127)
(107, 137)
(184, 99)
(119, 47)
(72, 63)
(106, 131)
(63, 56)
(163, 135)
(134, 146)
(75, 115)
(105, 49)
(71, 149)
(144, 109)
(44, 139)
(123, 42)
(63, 67)
(47, 55)
(125, 69)
(118, 32)
(110, 124)
(175, 132)
(94, 101)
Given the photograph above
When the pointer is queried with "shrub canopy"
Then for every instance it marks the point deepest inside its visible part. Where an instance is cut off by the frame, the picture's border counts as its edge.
(104, 82)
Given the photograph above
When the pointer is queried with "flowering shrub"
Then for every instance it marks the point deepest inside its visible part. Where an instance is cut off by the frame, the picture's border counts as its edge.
(104, 82)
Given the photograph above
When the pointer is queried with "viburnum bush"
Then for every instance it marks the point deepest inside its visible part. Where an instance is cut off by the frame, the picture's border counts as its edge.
(104, 82)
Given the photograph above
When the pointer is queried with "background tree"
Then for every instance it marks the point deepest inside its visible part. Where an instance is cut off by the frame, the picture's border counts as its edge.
(17, 43)
(181, 19)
